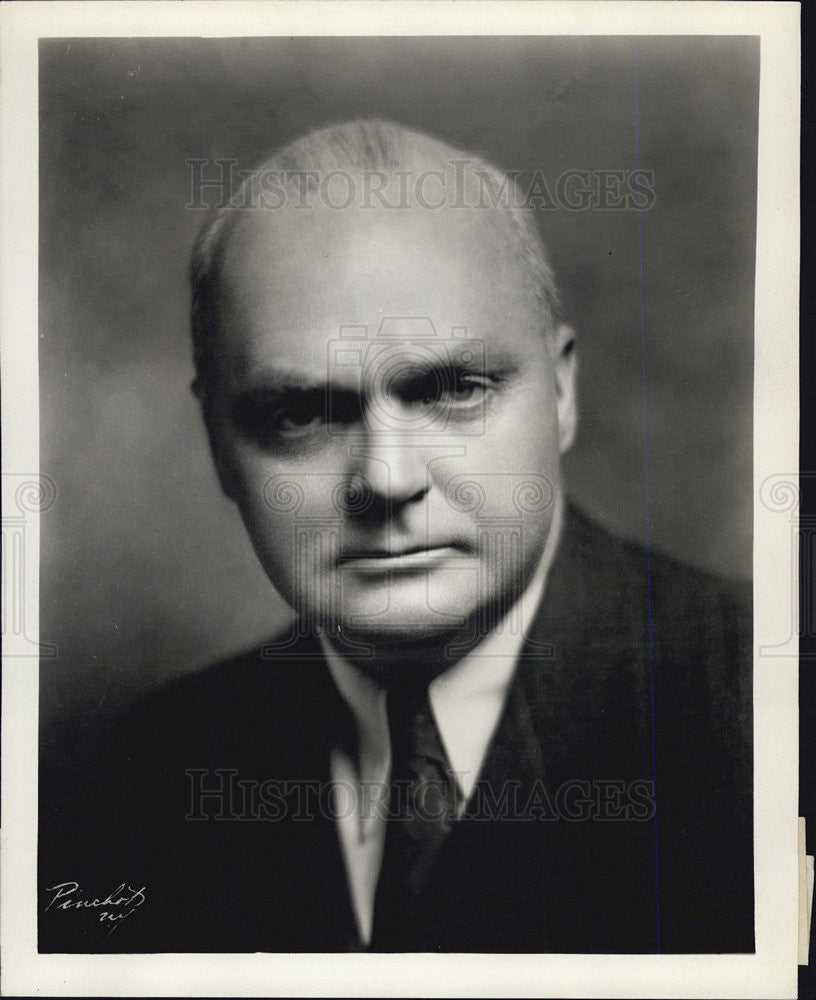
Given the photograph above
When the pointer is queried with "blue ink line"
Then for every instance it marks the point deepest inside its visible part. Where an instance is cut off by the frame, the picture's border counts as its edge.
(648, 519)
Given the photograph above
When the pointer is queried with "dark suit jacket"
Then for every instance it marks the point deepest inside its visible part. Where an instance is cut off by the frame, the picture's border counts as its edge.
(613, 813)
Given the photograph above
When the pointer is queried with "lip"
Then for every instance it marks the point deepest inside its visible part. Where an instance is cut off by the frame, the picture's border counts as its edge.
(407, 559)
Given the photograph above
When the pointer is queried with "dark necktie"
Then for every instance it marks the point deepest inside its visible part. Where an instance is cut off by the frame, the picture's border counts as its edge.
(422, 808)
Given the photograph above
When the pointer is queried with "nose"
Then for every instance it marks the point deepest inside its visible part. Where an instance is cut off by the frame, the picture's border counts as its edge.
(392, 467)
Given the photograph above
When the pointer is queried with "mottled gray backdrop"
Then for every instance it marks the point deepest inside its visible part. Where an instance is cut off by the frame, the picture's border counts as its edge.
(146, 571)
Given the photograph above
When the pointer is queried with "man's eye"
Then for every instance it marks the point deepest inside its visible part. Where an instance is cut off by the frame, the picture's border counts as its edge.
(296, 421)
(467, 388)
(448, 388)
(269, 421)
(458, 389)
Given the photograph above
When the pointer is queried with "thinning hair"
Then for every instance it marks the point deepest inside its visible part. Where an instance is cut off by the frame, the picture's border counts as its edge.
(364, 148)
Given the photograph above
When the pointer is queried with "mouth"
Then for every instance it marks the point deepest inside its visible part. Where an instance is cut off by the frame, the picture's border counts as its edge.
(403, 560)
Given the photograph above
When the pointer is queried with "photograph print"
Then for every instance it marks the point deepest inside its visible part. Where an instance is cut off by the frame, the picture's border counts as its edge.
(396, 409)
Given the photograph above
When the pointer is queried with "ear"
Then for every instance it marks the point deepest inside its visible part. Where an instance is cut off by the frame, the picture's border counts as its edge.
(211, 422)
(565, 367)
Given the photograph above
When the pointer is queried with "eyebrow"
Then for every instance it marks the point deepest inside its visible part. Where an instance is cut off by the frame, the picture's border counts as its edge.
(286, 390)
(271, 382)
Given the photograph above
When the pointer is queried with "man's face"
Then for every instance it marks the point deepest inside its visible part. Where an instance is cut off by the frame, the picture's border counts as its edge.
(387, 415)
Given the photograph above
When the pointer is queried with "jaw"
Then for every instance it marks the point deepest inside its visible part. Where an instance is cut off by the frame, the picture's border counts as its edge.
(388, 658)
(420, 648)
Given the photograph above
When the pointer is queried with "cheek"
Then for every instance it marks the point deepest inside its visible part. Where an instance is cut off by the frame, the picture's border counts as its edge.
(517, 464)
(284, 510)
(272, 534)
(268, 501)
(520, 444)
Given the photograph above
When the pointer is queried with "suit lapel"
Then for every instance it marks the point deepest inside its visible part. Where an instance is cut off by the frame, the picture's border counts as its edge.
(590, 706)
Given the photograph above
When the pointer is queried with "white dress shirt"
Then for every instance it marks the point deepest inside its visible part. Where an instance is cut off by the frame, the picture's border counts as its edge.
(466, 700)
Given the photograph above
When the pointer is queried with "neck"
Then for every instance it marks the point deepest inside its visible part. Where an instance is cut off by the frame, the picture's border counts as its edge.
(390, 660)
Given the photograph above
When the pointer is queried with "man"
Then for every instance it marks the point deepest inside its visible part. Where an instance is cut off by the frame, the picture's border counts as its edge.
(492, 726)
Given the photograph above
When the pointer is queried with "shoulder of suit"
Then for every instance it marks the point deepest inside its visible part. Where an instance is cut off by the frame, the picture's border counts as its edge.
(669, 581)
(621, 602)
(684, 633)
(235, 695)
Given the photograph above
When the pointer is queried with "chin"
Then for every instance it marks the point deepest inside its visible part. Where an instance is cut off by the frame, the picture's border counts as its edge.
(418, 612)
(408, 639)
(398, 629)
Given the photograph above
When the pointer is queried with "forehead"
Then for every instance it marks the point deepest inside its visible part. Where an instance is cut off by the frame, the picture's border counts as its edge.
(293, 281)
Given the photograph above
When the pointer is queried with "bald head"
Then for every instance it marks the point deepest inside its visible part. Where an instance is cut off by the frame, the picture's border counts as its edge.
(364, 176)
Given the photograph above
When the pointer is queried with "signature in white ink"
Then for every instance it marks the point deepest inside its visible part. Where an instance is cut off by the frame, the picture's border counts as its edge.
(113, 908)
